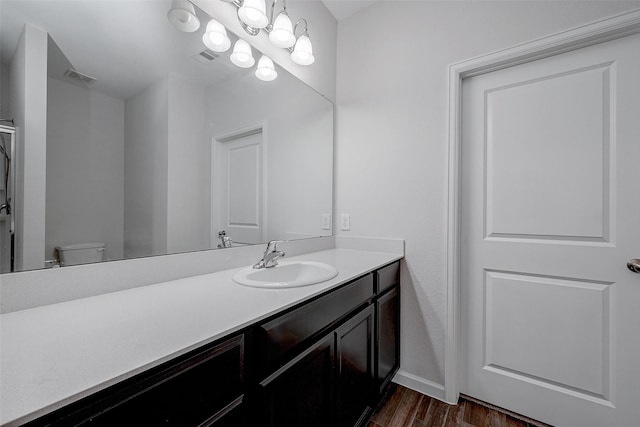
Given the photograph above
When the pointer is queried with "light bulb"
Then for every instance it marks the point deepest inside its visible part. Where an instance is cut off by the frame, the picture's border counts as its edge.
(182, 15)
(254, 13)
(303, 51)
(282, 33)
(241, 55)
(266, 71)
(215, 37)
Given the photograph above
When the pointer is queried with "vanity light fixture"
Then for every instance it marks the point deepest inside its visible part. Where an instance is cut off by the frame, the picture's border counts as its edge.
(265, 70)
(253, 17)
(183, 16)
(302, 53)
(253, 13)
(241, 55)
(281, 34)
(215, 37)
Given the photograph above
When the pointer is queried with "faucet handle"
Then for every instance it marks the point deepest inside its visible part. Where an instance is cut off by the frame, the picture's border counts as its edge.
(274, 243)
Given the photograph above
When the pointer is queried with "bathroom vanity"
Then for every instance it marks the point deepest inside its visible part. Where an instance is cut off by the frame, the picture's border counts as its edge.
(326, 362)
(318, 355)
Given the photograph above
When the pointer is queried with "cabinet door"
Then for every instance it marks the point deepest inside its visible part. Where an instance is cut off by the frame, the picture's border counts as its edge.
(354, 369)
(299, 393)
(387, 337)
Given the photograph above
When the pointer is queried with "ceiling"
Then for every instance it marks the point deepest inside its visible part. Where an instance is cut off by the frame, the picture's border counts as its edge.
(125, 48)
(341, 9)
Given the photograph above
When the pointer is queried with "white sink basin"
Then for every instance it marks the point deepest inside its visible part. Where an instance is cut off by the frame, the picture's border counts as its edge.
(287, 274)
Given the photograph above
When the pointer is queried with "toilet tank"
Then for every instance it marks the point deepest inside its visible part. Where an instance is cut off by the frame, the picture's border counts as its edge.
(81, 253)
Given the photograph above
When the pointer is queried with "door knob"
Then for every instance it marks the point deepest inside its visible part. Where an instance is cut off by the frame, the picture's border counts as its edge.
(634, 265)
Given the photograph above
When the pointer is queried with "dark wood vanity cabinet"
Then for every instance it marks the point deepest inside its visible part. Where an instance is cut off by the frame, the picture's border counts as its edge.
(317, 360)
(203, 388)
(327, 362)
(329, 383)
(322, 363)
(202, 391)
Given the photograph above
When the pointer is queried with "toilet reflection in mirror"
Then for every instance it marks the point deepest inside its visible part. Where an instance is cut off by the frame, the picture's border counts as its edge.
(83, 253)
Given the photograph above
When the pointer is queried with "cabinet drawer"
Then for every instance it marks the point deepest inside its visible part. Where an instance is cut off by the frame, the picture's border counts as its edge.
(281, 336)
(387, 277)
(198, 390)
(191, 394)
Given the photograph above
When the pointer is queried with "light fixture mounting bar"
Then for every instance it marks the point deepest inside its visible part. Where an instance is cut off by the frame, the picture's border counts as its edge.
(299, 47)
(255, 31)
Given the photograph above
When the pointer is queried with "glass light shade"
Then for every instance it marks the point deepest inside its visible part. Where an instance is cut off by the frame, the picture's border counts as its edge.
(254, 13)
(241, 55)
(215, 37)
(303, 51)
(183, 16)
(266, 71)
(282, 33)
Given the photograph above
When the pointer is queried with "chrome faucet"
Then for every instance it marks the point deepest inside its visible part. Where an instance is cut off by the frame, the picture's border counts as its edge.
(271, 255)
(225, 240)
(6, 206)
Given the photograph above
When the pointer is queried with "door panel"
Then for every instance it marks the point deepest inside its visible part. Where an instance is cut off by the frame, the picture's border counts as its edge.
(238, 200)
(562, 124)
(550, 159)
(527, 313)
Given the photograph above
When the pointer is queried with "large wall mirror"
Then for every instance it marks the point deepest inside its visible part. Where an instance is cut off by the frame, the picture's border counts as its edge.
(151, 144)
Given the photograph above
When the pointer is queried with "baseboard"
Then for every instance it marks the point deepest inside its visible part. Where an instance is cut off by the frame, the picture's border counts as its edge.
(420, 385)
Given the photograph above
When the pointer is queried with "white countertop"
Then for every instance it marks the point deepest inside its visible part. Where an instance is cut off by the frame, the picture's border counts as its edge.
(53, 355)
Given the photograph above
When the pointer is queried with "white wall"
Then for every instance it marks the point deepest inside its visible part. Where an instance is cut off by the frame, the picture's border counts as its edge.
(28, 106)
(85, 185)
(145, 171)
(188, 198)
(391, 147)
(166, 169)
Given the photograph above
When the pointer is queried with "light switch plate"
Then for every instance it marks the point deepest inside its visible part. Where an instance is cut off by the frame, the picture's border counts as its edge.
(326, 221)
(345, 222)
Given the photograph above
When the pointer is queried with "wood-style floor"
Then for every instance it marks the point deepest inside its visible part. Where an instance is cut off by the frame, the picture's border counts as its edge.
(402, 407)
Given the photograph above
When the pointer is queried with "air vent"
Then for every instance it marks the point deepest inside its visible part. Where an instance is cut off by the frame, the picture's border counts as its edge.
(79, 77)
(206, 56)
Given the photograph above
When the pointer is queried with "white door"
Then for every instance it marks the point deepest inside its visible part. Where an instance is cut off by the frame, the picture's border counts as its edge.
(550, 314)
(238, 188)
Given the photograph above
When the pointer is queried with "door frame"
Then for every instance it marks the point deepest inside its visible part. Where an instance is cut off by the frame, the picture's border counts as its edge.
(230, 135)
(604, 30)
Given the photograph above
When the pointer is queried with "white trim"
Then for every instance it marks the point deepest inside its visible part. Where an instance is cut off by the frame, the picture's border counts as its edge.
(420, 385)
(247, 130)
(587, 35)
